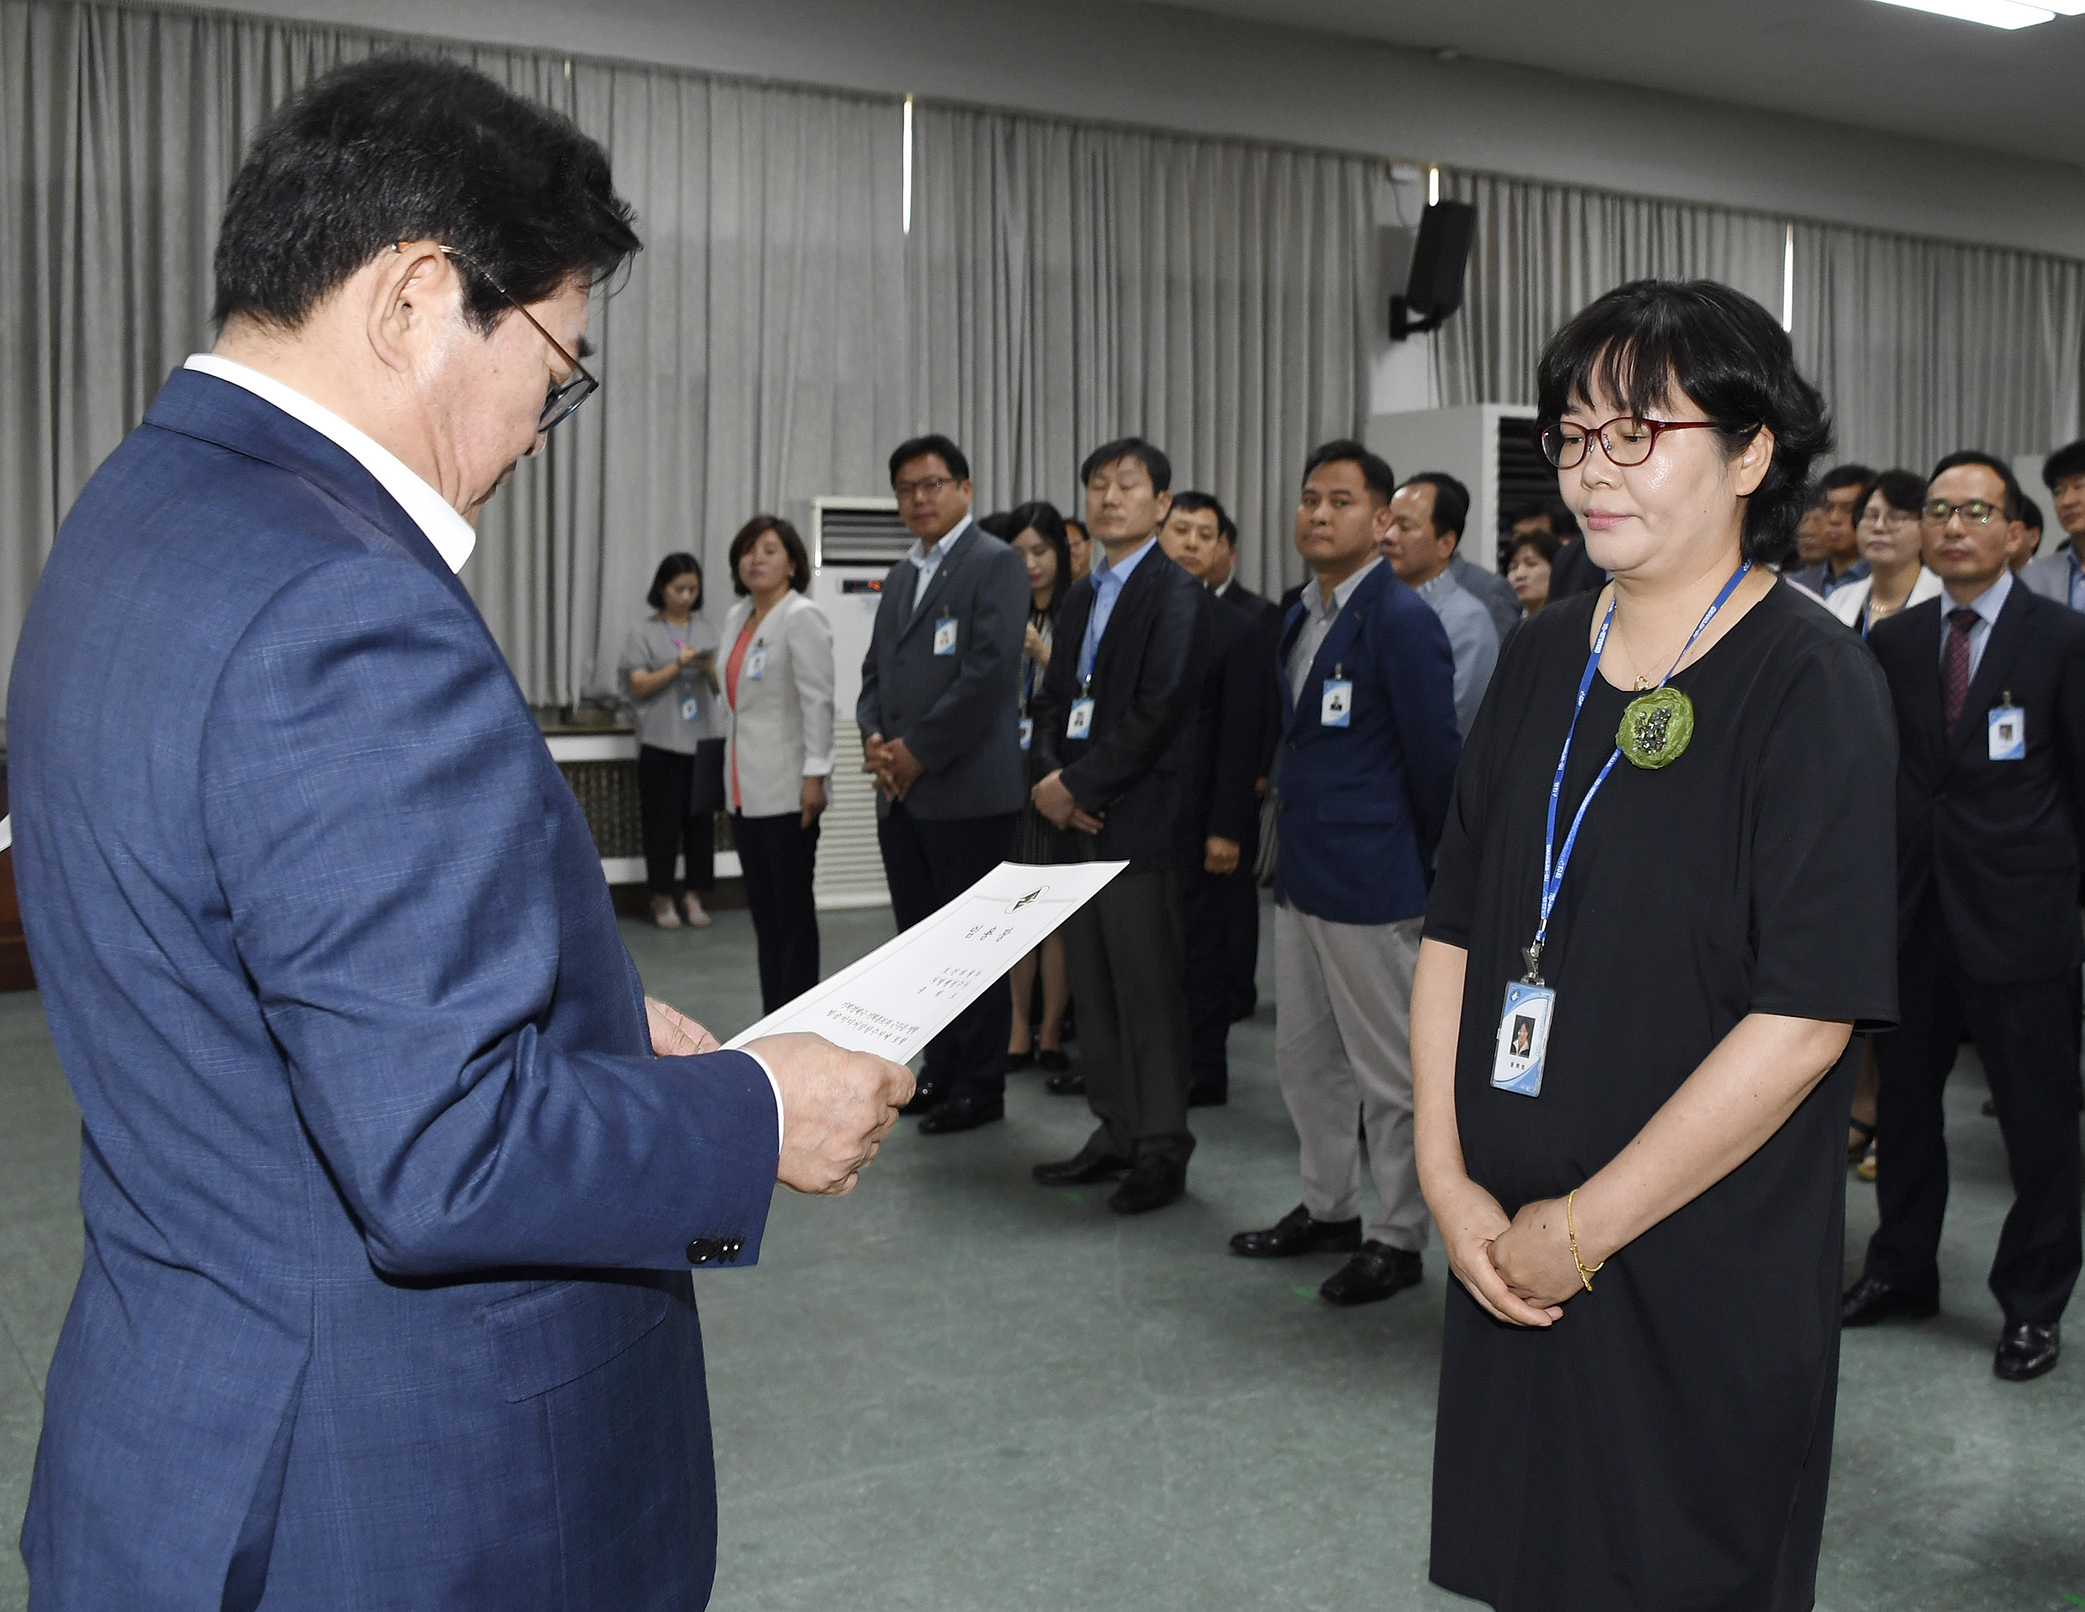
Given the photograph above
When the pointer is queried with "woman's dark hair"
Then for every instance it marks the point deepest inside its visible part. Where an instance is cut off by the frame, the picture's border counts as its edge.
(1900, 489)
(1546, 544)
(799, 556)
(1044, 519)
(674, 565)
(406, 148)
(1649, 341)
(999, 524)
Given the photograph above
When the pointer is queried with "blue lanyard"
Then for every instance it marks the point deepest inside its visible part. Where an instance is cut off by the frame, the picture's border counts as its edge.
(1553, 865)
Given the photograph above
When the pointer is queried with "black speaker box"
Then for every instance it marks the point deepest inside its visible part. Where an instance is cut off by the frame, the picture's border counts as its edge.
(1433, 289)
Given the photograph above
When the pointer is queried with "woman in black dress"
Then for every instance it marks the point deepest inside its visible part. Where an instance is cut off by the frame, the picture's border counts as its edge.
(1639, 1371)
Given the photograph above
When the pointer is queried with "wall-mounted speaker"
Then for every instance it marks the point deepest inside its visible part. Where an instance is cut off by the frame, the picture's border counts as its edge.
(1433, 289)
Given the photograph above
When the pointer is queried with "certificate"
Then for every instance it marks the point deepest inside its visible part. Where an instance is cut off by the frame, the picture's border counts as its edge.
(907, 991)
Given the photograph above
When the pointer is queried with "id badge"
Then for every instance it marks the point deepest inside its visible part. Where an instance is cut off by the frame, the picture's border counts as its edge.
(945, 636)
(1027, 730)
(1080, 723)
(1336, 708)
(2008, 733)
(689, 709)
(756, 662)
(1516, 1064)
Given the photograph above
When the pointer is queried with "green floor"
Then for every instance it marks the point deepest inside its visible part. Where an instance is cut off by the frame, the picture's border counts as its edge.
(954, 1391)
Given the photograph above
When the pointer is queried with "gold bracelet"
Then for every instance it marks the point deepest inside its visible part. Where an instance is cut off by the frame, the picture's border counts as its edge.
(1586, 1272)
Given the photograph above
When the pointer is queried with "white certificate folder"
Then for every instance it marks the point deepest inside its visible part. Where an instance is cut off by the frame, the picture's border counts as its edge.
(907, 991)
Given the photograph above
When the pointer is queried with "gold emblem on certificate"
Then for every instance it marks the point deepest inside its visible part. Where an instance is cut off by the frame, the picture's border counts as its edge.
(1656, 728)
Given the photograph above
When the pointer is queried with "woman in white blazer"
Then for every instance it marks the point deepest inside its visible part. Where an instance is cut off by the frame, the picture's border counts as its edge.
(778, 752)
(1889, 539)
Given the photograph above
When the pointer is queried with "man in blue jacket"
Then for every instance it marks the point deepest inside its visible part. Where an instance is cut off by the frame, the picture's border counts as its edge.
(391, 1173)
(1367, 760)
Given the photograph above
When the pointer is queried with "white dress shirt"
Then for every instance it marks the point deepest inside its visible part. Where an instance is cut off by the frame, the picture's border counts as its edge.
(1986, 605)
(452, 536)
(926, 561)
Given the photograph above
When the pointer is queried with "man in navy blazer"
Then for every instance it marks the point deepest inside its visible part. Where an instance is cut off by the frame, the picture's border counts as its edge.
(391, 1173)
(1362, 779)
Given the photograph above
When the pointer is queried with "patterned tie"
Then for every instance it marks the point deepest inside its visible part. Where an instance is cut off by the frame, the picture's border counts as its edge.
(1954, 664)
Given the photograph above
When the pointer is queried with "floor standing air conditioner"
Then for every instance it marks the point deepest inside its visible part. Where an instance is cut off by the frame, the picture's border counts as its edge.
(1489, 447)
(854, 543)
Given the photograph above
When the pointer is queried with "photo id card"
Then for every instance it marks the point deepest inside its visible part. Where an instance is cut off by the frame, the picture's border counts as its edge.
(2008, 731)
(1336, 708)
(756, 662)
(689, 709)
(1027, 731)
(1516, 1066)
(1080, 723)
(945, 636)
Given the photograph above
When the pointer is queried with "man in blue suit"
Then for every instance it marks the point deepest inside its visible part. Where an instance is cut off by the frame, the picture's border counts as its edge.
(1367, 761)
(391, 1173)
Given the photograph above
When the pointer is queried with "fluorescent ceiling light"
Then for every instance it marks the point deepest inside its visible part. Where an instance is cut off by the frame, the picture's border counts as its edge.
(1994, 13)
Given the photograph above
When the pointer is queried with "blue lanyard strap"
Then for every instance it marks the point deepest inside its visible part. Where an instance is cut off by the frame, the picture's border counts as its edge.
(1553, 865)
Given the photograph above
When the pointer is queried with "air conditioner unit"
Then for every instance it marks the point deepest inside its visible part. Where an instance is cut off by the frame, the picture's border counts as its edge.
(854, 543)
(1489, 447)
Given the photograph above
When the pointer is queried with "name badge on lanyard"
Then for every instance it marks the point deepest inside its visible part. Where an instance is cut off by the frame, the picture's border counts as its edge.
(756, 662)
(690, 709)
(945, 636)
(1336, 704)
(1524, 1021)
(1027, 731)
(2007, 729)
(1080, 723)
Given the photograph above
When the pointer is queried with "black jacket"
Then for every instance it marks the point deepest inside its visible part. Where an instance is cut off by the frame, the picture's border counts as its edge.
(1135, 768)
(1995, 843)
(1265, 616)
(1233, 718)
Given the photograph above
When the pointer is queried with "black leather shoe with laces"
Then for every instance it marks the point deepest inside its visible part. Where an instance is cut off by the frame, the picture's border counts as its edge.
(1375, 1273)
(2026, 1349)
(1297, 1233)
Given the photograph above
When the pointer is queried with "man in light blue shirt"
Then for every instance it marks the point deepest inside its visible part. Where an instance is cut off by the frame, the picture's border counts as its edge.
(1109, 577)
(1426, 520)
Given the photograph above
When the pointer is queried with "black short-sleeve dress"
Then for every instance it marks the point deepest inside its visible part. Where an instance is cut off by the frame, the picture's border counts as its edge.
(1667, 1443)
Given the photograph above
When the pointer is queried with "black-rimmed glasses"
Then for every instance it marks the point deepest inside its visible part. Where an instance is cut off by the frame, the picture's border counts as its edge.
(564, 398)
(1626, 442)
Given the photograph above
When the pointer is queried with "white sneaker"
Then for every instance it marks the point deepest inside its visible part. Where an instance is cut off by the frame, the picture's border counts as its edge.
(691, 904)
(663, 914)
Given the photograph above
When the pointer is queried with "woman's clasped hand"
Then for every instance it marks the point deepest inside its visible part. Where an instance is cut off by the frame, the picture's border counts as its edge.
(1507, 1264)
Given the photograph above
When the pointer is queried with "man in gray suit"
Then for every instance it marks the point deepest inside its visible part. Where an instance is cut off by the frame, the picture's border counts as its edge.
(941, 729)
(2058, 574)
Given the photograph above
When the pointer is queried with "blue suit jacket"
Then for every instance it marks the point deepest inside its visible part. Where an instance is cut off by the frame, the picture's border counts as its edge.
(388, 1207)
(1362, 806)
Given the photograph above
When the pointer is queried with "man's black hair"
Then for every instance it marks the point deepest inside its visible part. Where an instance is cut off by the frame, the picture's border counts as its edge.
(1192, 502)
(2030, 514)
(673, 566)
(407, 148)
(1843, 476)
(2065, 462)
(1649, 342)
(1976, 456)
(1156, 465)
(1451, 500)
(919, 447)
(1376, 473)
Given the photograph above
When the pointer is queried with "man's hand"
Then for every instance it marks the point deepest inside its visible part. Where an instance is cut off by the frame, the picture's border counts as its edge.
(901, 769)
(876, 759)
(812, 801)
(837, 1107)
(1053, 800)
(674, 1034)
(1219, 855)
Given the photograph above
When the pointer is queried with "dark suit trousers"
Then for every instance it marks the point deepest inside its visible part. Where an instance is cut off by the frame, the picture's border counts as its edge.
(1222, 912)
(1124, 954)
(929, 862)
(777, 857)
(2027, 1036)
(675, 817)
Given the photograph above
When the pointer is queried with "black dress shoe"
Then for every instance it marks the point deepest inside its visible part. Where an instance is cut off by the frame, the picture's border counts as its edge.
(2026, 1349)
(1871, 1299)
(1297, 1233)
(927, 1096)
(1155, 1180)
(1208, 1094)
(962, 1114)
(1068, 1084)
(1016, 1061)
(1375, 1273)
(1093, 1162)
(1053, 1060)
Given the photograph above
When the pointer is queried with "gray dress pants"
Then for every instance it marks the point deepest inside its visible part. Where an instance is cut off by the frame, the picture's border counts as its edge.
(1124, 955)
(1343, 1050)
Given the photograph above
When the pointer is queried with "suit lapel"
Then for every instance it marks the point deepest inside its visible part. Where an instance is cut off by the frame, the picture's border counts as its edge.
(958, 551)
(2008, 633)
(1141, 581)
(1346, 626)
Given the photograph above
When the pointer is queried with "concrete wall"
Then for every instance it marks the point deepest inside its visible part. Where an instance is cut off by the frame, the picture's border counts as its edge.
(1146, 64)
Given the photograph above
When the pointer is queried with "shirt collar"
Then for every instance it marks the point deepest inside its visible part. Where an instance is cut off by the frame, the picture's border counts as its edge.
(1340, 594)
(1992, 600)
(1117, 571)
(925, 558)
(1434, 587)
(452, 536)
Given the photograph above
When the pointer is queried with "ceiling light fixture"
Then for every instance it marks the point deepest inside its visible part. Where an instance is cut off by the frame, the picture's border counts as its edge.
(1992, 13)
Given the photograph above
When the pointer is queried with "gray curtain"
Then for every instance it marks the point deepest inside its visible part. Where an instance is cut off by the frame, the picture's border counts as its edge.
(755, 358)
(1073, 283)
(1920, 346)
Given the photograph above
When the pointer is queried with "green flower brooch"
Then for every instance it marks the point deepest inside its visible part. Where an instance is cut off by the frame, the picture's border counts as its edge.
(1656, 728)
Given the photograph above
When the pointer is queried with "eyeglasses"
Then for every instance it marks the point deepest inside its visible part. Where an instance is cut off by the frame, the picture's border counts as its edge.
(563, 399)
(1890, 520)
(927, 486)
(1626, 442)
(1976, 512)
